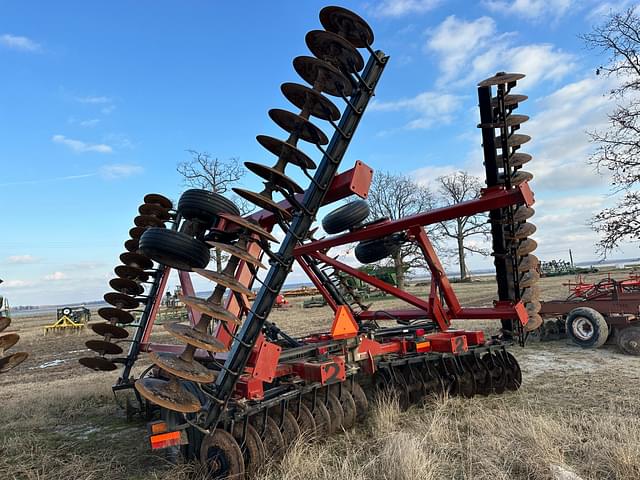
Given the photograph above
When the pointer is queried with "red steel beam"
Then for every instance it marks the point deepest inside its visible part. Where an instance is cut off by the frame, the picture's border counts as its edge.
(318, 284)
(477, 313)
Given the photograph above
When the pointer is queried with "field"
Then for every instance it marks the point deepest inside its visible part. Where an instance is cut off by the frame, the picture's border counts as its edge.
(577, 415)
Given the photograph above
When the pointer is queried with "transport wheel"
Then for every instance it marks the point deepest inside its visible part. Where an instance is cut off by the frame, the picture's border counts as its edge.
(221, 455)
(346, 217)
(628, 339)
(204, 206)
(348, 406)
(174, 249)
(253, 451)
(289, 428)
(362, 404)
(336, 414)
(514, 374)
(306, 422)
(371, 251)
(271, 436)
(587, 327)
(321, 417)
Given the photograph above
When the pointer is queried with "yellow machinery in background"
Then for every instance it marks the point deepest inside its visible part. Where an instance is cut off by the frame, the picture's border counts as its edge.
(69, 319)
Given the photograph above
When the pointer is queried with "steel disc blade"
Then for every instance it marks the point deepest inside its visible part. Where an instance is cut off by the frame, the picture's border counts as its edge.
(335, 412)
(192, 371)
(191, 336)
(99, 364)
(262, 201)
(170, 395)
(323, 76)
(526, 246)
(286, 151)
(533, 307)
(147, 221)
(528, 262)
(136, 260)
(222, 279)
(132, 273)
(523, 213)
(126, 286)
(348, 25)
(528, 279)
(525, 230)
(535, 322)
(517, 177)
(116, 315)
(12, 361)
(8, 340)
(314, 102)
(501, 78)
(362, 403)
(155, 210)
(208, 308)
(252, 227)
(136, 232)
(221, 456)
(299, 126)
(159, 199)
(334, 49)
(321, 417)
(105, 328)
(120, 300)
(304, 417)
(514, 140)
(271, 436)
(4, 323)
(289, 428)
(237, 252)
(253, 450)
(103, 347)
(511, 121)
(132, 245)
(530, 294)
(274, 176)
(519, 159)
(509, 100)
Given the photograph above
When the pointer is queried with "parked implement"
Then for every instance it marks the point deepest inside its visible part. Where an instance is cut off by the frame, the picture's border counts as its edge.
(241, 390)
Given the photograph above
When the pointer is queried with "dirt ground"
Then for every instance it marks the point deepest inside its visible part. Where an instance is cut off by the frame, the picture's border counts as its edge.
(577, 411)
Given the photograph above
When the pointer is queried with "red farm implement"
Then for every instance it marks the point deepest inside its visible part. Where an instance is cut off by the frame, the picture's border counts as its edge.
(242, 389)
(596, 312)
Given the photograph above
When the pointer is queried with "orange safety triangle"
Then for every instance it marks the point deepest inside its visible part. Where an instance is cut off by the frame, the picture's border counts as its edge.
(344, 326)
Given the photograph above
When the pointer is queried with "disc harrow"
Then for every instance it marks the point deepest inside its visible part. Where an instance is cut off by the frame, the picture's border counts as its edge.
(240, 390)
(7, 341)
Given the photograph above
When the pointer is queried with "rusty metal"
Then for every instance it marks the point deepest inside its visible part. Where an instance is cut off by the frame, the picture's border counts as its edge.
(248, 225)
(191, 336)
(136, 260)
(168, 394)
(286, 151)
(109, 329)
(99, 364)
(298, 125)
(323, 76)
(158, 199)
(274, 177)
(126, 286)
(348, 25)
(334, 49)
(237, 252)
(209, 308)
(4, 323)
(310, 101)
(116, 315)
(8, 340)
(131, 273)
(103, 347)
(223, 279)
(120, 300)
(12, 361)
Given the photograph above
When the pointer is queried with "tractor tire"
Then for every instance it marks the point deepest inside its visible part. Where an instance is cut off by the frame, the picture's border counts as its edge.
(587, 327)
(346, 217)
(204, 206)
(174, 249)
(628, 340)
(371, 251)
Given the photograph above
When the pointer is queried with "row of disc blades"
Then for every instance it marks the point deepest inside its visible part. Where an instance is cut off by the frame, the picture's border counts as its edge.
(517, 228)
(135, 271)
(8, 340)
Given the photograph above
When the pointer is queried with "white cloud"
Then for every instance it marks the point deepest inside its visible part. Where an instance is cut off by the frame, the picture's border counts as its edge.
(56, 276)
(16, 42)
(469, 51)
(80, 146)
(89, 123)
(530, 9)
(604, 8)
(21, 259)
(399, 8)
(16, 284)
(95, 99)
(429, 107)
(120, 170)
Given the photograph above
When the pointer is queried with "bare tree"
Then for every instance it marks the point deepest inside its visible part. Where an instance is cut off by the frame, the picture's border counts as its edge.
(618, 147)
(453, 189)
(397, 196)
(209, 173)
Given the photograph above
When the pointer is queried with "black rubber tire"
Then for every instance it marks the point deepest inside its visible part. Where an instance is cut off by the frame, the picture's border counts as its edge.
(628, 340)
(371, 251)
(346, 217)
(174, 249)
(599, 330)
(204, 206)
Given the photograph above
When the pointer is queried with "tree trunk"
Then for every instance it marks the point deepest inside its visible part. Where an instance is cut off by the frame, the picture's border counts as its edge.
(399, 266)
(464, 276)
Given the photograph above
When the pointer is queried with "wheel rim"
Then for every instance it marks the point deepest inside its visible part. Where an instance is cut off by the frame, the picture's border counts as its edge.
(582, 328)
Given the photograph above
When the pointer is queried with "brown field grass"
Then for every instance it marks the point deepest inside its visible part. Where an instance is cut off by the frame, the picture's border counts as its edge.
(577, 411)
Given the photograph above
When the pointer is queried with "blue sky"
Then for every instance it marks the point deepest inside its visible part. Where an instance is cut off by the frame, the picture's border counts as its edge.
(100, 100)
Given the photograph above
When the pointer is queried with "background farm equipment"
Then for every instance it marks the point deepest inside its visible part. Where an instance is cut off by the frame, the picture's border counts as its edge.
(595, 312)
(69, 319)
(242, 390)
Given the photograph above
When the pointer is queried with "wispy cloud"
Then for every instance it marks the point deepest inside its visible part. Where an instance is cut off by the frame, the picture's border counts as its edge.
(80, 146)
(14, 283)
(120, 170)
(536, 10)
(56, 276)
(16, 42)
(21, 259)
(399, 8)
(89, 123)
(427, 107)
(47, 180)
(94, 99)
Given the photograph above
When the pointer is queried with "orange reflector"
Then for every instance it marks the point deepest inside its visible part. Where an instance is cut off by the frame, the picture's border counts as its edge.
(158, 427)
(423, 346)
(165, 440)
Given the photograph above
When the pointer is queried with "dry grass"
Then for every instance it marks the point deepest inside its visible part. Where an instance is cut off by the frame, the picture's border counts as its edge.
(577, 411)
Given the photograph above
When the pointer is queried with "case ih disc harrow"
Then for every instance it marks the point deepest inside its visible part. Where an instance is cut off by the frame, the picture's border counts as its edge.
(242, 390)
